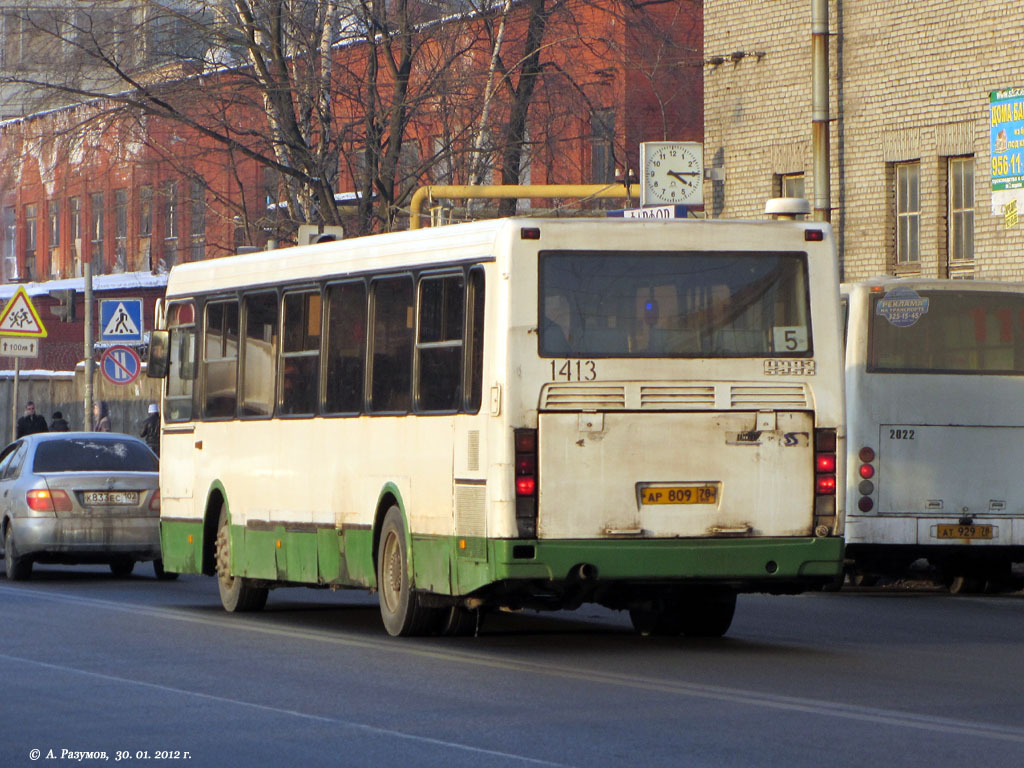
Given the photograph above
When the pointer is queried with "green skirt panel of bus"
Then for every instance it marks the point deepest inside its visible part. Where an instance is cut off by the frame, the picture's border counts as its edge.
(327, 556)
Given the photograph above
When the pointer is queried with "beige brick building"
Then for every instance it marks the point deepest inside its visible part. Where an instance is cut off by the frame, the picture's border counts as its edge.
(911, 166)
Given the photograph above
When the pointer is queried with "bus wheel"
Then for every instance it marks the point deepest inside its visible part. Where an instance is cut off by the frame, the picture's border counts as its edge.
(237, 594)
(122, 567)
(400, 607)
(18, 568)
(708, 613)
(160, 573)
(661, 617)
(966, 585)
(458, 622)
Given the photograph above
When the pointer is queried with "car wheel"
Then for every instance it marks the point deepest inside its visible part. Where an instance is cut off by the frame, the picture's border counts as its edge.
(18, 568)
(237, 593)
(122, 566)
(160, 573)
(400, 607)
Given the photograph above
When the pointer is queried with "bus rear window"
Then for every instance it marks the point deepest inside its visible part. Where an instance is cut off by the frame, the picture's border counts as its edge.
(673, 304)
(976, 332)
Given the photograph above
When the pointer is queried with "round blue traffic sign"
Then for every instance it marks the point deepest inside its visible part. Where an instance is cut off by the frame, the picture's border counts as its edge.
(120, 365)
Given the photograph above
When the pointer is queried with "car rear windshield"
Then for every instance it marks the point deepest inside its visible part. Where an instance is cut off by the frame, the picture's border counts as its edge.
(94, 454)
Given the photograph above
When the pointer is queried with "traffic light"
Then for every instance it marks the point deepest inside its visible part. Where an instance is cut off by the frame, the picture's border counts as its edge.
(65, 307)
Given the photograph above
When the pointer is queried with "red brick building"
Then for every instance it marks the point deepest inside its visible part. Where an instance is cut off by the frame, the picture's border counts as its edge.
(133, 193)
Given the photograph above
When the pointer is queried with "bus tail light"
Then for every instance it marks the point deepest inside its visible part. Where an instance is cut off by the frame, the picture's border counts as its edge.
(867, 471)
(825, 483)
(525, 441)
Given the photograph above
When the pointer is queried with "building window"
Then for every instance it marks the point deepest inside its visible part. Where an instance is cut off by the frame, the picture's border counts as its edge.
(197, 221)
(602, 156)
(53, 211)
(791, 185)
(145, 197)
(31, 240)
(908, 213)
(170, 200)
(75, 233)
(120, 230)
(10, 243)
(961, 209)
(96, 233)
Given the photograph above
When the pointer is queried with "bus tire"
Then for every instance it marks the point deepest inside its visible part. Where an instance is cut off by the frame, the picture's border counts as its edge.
(160, 573)
(458, 622)
(966, 585)
(17, 567)
(400, 607)
(708, 613)
(237, 594)
(122, 567)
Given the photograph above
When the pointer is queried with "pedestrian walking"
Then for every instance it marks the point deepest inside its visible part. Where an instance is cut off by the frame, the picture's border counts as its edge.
(101, 416)
(151, 428)
(58, 423)
(31, 422)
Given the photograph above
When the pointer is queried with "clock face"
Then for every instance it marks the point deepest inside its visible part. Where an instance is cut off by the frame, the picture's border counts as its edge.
(673, 173)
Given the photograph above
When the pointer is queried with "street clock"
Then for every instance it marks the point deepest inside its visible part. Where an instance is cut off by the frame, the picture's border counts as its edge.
(673, 173)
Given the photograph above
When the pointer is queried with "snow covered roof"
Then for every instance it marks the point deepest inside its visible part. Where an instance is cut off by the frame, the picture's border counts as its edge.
(115, 282)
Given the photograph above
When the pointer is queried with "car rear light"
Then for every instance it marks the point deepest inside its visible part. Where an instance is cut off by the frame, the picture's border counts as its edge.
(525, 443)
(42, 500)
(154, 503)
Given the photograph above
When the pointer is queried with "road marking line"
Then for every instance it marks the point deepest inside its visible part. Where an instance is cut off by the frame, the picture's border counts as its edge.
(821, 707)
(291, 712)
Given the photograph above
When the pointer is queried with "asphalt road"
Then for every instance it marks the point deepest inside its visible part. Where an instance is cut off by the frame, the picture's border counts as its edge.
(158, 672)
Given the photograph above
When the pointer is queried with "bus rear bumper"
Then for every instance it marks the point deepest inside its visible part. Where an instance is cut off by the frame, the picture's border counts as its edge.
(747, 565)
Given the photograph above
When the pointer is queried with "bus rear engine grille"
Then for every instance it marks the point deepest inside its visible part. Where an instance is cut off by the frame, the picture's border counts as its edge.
(768, 396)
(570, 397)
(676, 397)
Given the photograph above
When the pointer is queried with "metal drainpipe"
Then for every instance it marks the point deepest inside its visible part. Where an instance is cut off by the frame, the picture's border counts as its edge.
(819, 110)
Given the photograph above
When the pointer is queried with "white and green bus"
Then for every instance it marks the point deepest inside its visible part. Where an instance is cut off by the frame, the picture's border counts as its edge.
(934, 384)
(515, 413)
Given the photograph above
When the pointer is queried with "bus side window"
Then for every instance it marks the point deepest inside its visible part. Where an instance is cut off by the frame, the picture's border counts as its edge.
(474, 365)
(220, 359)
(391, 367)
(181, 324)
(346, 347)
(300, 352)
(439, 343)
(259, 354)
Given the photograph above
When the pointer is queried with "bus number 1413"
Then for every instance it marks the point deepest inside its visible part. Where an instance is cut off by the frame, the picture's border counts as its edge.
(573, 370)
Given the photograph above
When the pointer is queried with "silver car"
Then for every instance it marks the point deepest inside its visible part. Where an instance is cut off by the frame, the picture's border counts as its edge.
(80, 497)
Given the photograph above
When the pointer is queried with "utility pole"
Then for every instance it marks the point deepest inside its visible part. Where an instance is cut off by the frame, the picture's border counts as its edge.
(88, 351)
(819, 111)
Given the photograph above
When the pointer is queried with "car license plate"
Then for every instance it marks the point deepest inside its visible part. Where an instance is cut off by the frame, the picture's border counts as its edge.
(964, 531)
(110, 498)
(679, 494)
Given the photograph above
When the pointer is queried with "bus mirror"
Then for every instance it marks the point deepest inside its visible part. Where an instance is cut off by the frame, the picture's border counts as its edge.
(159, 348)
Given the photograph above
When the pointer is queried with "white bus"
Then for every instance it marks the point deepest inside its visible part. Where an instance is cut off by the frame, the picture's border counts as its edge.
(512, 413)
(935, 385)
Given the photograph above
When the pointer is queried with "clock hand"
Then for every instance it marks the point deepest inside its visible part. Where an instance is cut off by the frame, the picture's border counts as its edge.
(678, 175)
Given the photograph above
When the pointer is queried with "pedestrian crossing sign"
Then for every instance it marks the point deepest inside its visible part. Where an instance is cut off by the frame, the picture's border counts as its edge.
(20, 318)
(121, 320)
